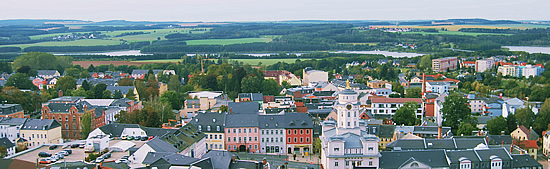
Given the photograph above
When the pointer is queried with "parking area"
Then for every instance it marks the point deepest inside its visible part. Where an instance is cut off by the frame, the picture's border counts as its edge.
(77, 155)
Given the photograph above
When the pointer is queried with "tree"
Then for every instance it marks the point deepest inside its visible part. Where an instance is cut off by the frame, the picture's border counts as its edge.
(91, 68)
(542, 118)
(86, 86)
(425, 62)
(455, 110)
(238, 75)
(175, 84)
(511, 123)
(125, 82)
(98, 90)
(21, 81)
(251, 84)
(130, 95)
(42, 61)
(465, 129)
(172, 98)
(117, 94)
(107, 94)
(497, 125)
(525, 117)
(65, 83)
(86, 124)
(3, 151)
(413, 92)
(223, 108)
(406, 114)
(270, 87)
(74, 72)
(85, 74)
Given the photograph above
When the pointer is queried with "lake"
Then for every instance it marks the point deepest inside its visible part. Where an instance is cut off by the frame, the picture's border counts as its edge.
(529, 49)
(114, 53)
(385, 53)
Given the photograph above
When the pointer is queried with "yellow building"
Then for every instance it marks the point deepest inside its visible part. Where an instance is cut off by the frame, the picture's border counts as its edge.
(212, 125)
(41, 131)
(522, 133)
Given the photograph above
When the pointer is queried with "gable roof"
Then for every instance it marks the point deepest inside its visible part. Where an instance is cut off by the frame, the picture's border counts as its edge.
(298, 120)
(161, 146)
(395, 100)
(7, 109)
(4, 141)
(115, 129)
(40, 124)
(395, 159)
(499, 139)
(220, 158)
(47, 72)
(212, 119)
(241, 120)
(122, 89)
(525, 161)
(271, 121)
(243, 107)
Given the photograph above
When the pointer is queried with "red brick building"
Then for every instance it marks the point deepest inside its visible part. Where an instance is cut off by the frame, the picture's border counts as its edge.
(299, 133)
(11, 110)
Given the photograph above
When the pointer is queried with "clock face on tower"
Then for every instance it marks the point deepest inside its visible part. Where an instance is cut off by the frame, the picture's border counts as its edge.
(348, 107)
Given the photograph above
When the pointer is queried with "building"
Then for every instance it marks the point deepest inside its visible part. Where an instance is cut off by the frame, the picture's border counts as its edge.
(546, 143)
(377, 83)
(344, 143)
(311, 75)
(41, 131)
(511, 105)
(47, 74)
(69, 111)
(485, 64)
(272, 134)
(438, 87)
(11, 110)
(140, 73)
(281, 76)
(508, 70)
(212, 124)
(299, 133)
(388, 106)
(124, 90)
(10, 146)
(522, 133)
(242, 132)
(10, 127)
(444, 64)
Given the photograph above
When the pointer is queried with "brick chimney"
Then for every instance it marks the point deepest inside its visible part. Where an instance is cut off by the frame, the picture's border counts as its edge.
(230, 110)
(60, 93)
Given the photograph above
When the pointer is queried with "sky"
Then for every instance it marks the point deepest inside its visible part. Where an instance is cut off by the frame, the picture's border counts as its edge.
(273, 10)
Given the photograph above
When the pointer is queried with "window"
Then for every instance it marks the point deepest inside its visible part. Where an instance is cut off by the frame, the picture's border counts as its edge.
(250, 130)
(354, 114)
(217, 128)
(66, 119)
(234, 130)
(263, 132)
(228, 139)
(255, 146)
(271, 131)
(289, 140)
(229, 147)
(263, 140)
(210, 136)
(215, 136)
(215, 146)
(307, 131)
(234, 138)
(272, 139)
(301, 139)
(335, 163)
(349, 114)
(240, 138)
(289, 132)
(307, 139)
(370, 163)
(234, 147)
(249, 138)
(349, 123)
(244, 131)
(239, 130)
(249, 146)
(67, 126)
(295, 139)
(255, 130)
(295, 131)
(208, 129)
(228, 130)
(276, 131)
(347, 163)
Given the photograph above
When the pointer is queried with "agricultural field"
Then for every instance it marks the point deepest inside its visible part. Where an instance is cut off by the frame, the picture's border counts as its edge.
(453, 33)
(226, 41)
(84, 42)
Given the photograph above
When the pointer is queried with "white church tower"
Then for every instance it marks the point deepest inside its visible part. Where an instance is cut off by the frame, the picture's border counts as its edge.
(348, 108)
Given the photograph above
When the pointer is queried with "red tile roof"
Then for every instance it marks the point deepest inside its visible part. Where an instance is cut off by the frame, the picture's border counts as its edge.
(395, 100)
(469, 62)
(526, 144)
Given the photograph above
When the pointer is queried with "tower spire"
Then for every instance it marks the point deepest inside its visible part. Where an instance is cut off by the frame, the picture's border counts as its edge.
(347, 84)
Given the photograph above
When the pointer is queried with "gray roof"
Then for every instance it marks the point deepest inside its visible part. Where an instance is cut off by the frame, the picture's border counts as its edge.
(382, 131)
(348, 92)
(352, 141)
(484, 119)
(524, 161)
(395, 159)
(144, 71)
(65, 107)
(447, 144)
(243, 107)
(245, 164)
(469, 143)
(271, 121)
(151, 157)
(4, 141)
(175, 160)
(438, 83)
(115, 129)
(12, 121)
(211, 119)
(455, 156)
(220, 158)
(241, 120)
(46, 72)
(298, 120)
(499, 139)
(160, 145)
(407, 144)
(151, 131)
(429, 129)
(486, 154)
(253, 96)
(40, 124)
(7, 109)
(122, 89)
(67, 99)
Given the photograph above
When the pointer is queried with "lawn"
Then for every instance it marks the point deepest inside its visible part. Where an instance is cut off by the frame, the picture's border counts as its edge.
(453, 33)
(226, 41)
(153, 34)
(84, 42)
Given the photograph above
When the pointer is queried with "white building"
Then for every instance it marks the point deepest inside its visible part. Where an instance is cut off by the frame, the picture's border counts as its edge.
(10, 146)
(508, 70)
(482, 65)
(272, 134)
(9, 127)
(345, 144)
(388, 106)
(97, 143)
(546, 143)
(438, 87)
(311, 75)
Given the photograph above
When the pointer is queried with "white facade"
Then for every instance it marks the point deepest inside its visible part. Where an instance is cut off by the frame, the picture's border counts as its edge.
(388, 106)
(133, 132)
(99, 142)
(508, 70)
(272, 140)
(530, 70)
(382, 91)
(438, 87)
(110, 114)
(314, 76)
(482, 65)
(10, 131)
(546, 143)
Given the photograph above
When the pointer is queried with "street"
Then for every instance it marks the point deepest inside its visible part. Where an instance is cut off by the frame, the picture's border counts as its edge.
(276, 160)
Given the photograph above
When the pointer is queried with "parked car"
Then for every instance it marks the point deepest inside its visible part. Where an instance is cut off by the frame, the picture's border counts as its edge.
(65, 146)
(60, 156)
(151, 137)
(63, 153)
(143, 138)
(131, 138)
(69, 151)
(137, 138)
(81, 145)
(107, 155)
(122, 161)
(53, 159)
(53, 147)
(125, 157)
(44, 154)
(74, 145)
(99, 159)
(124, 137)
(45, 161)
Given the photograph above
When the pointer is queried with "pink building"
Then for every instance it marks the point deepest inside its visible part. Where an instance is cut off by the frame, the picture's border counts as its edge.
(444, 64)
(242, 133)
